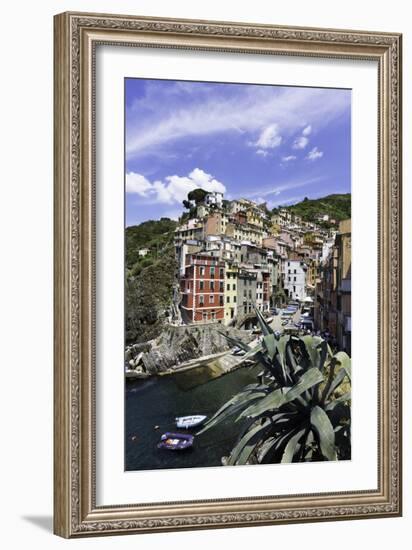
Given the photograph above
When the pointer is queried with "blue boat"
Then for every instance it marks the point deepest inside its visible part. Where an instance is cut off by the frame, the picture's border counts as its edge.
(175, 441)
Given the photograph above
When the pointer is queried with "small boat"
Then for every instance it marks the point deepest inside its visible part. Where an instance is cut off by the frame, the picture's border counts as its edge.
(175, 441)
(189, 421)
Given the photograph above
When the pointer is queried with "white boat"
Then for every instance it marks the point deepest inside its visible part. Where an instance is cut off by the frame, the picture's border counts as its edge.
(189, 421)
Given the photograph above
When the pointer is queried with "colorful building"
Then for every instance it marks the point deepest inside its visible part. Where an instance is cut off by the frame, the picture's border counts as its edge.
(246, 292)
(343, 286)
(231, 282)
(295, 279)
(202, 289)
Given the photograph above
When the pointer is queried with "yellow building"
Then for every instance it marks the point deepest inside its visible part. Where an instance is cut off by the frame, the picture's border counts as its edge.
(254, 217)
(248, 233)
(231, 273)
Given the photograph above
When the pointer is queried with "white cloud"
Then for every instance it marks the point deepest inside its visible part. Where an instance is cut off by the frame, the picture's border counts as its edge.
(307, 130)
(163, 120)
(278, 189)
(289, 158)
(261, 152)
(136, 183)
(314, 154)
(269, 137)
(300, 142)
(173, 188)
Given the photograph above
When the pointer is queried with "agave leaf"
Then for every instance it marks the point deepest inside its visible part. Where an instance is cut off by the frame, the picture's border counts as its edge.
(274, 451)
(312, 344)
(283, 395)
(336, 382)
(262, 323)
(256, 386)
(345, 397)
(245, 446)
(252, 352)
(344, 360)
(235, 341)
(281, 353)
(290, 358)
(230, 407)
(308, 455)
(291, 447)
(324, 429)
(308, 379)
(272, 401)
(269, 342)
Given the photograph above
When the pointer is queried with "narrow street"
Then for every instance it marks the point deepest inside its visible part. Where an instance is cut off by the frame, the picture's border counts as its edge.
(276, 324)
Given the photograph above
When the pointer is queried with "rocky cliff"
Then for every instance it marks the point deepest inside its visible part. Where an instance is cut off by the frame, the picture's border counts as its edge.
(177, 344)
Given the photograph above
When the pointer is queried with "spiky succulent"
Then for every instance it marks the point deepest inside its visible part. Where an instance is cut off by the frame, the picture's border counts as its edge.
(300, 409)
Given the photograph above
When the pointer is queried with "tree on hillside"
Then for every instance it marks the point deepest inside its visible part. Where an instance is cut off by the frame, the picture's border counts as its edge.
(198, 195)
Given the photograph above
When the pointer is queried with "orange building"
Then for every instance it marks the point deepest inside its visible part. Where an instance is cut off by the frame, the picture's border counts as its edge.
(203, 289)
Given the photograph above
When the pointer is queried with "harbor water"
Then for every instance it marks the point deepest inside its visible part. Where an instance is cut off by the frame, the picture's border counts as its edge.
(152, 405)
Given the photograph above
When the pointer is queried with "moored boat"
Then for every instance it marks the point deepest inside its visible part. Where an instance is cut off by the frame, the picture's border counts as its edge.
(175, 441)
(190, 421)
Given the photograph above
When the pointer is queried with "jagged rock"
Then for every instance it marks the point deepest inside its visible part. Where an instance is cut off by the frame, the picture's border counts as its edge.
(178, 344)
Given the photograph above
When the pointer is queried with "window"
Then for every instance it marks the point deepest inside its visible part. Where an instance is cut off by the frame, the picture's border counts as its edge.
(204, 316)
(245, 293)
(233, 287)
(234, 299)
(221, 300)
(227, 299)
(294, 278)
(221, 287)
(202, 271)
(201, 300)
(212, 271)
(213, 315)
(222, 273)
(227, 287)
(294, 289)
(211, 299)
(212, 286)
(294, 271)
(201, 285)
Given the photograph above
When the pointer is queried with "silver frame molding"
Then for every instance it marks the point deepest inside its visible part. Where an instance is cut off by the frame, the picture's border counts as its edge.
(75, 39)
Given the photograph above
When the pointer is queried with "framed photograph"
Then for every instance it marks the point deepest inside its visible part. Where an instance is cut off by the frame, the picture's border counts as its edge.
(227, 274)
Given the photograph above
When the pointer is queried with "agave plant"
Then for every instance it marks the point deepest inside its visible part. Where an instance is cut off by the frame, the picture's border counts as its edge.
(299, 410)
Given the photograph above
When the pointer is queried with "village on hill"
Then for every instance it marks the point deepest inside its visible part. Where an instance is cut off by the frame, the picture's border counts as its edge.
(235, 256)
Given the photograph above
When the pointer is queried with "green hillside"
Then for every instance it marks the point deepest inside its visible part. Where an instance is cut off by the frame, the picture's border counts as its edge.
(153, 235)
(338, 207)
(149, 279)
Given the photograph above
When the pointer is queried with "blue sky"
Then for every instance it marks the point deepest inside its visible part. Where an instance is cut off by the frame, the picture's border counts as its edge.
(273, 144)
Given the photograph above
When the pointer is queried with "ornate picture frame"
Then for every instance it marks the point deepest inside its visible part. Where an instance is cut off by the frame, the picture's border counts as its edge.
(76, 512)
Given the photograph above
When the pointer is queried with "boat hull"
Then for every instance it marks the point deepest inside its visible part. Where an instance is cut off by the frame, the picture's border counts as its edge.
(175, 441)
(187, 422)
